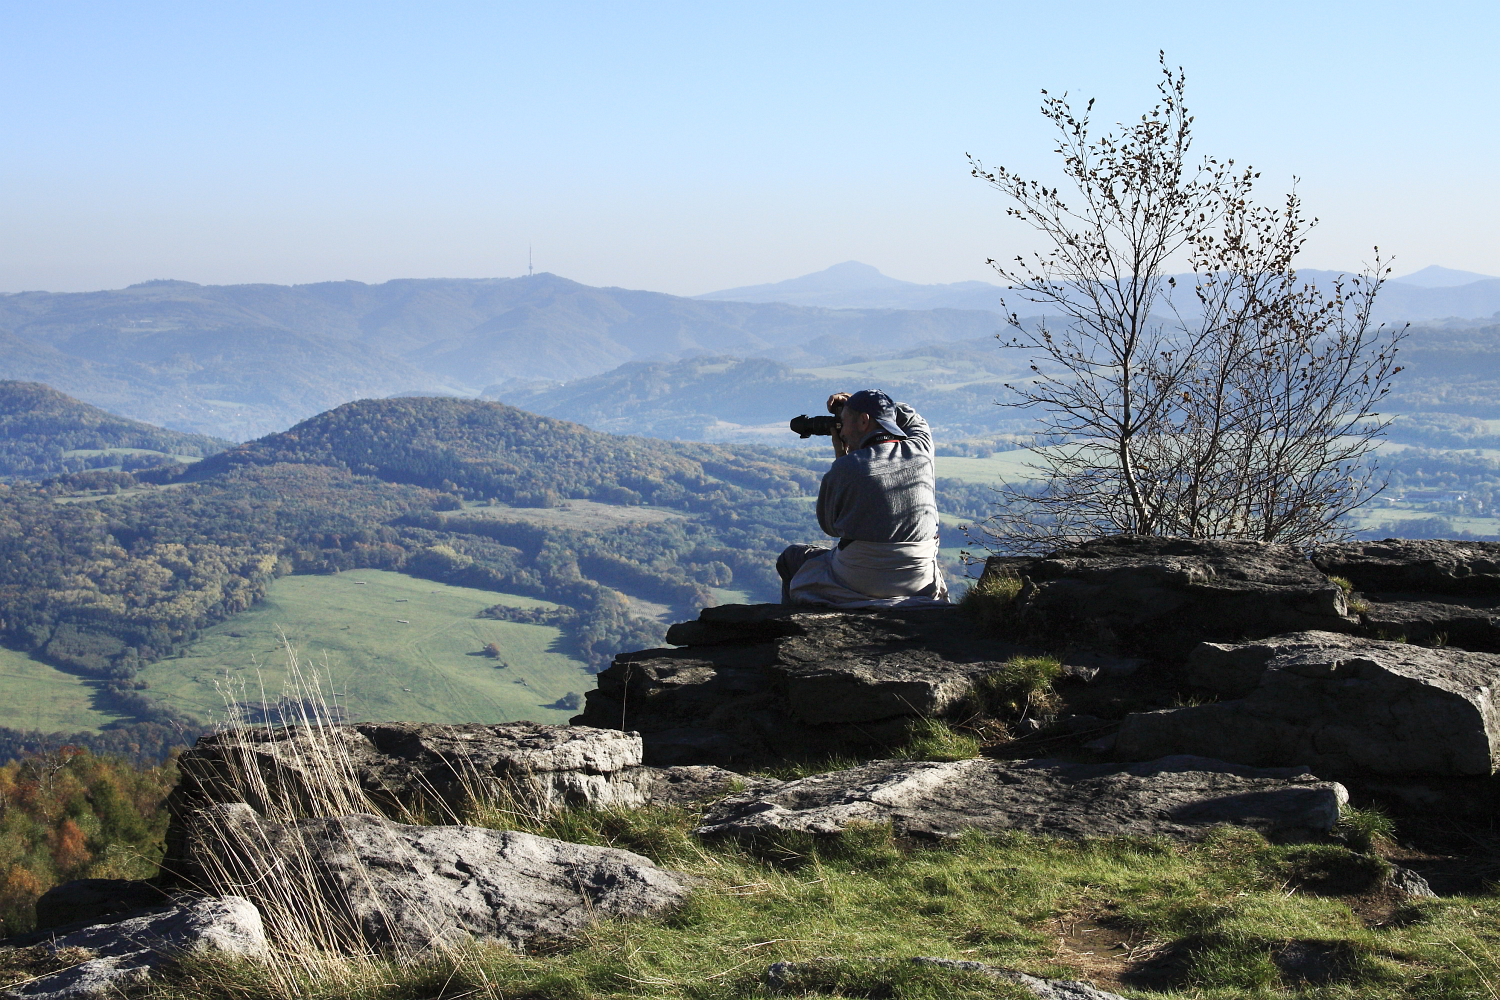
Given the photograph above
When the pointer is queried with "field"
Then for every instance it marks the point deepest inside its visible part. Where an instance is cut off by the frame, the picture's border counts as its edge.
(39, 696)
(1002, 466)
(392, 647)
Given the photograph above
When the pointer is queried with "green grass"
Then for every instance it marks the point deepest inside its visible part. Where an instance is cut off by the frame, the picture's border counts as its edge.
(1004, 466)
(36, 695)
(1215, 919)
(348, 627)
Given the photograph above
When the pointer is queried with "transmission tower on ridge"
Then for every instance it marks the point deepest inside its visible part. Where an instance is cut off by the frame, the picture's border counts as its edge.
(528, 260)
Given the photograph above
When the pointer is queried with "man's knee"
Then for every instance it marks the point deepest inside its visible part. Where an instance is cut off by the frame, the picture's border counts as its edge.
(793, 556)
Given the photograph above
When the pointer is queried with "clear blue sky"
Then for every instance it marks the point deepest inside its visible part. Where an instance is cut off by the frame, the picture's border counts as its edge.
(689, 147)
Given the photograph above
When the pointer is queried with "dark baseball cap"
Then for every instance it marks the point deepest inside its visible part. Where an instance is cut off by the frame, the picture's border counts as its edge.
(878, 405)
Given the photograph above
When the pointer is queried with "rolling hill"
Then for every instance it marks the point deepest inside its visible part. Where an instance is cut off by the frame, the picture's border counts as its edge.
(724, 398)
(585, 542)
(46, 433)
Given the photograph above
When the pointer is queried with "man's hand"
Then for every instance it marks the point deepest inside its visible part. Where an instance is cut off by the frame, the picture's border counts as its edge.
(835, 406)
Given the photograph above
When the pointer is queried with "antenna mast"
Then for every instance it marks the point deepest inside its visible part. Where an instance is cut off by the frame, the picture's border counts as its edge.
(528, 260)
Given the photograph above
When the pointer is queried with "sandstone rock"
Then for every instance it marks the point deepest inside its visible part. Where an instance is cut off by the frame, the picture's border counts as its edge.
(90, 899)
(1468, 623)
(1410, 883)
(415, 763)
(125, 952)
(398, 766)
(694, 785)
(764, 682)
(1342, 705)
(815, 975)
(1415, 565)
(407, 889)
(1175, 796)
(1159, 597)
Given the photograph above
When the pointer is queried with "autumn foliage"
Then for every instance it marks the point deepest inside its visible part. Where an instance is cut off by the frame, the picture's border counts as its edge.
(69, 814)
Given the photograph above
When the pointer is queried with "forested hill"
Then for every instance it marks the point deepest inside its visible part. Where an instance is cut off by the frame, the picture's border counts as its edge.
(481, 450)
(46, 433)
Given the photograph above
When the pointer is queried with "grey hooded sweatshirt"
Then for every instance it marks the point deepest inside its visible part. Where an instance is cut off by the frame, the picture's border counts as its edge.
(883, 492)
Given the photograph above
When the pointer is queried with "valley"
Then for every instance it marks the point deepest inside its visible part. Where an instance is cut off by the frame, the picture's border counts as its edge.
(385, 646)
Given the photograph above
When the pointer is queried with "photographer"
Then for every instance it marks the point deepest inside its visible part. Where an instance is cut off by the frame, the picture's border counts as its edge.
(879, 500)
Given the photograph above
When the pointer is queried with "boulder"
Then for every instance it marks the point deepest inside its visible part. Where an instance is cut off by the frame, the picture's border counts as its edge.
(1176, 796)
(761, 683)
(1345, 706)
(1428, 566)
(1159, 597)
(820, 975)
(87, 900)
(416, 764)
(364, 879)
(401, 767)
(123, 953)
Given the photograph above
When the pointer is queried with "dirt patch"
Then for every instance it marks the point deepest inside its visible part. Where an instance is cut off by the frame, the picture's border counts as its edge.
(1107, 956)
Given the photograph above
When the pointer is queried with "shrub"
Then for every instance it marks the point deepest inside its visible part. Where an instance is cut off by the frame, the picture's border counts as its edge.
(991, 601)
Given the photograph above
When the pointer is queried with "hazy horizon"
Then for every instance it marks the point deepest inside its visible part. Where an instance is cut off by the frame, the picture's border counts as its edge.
(687, 149)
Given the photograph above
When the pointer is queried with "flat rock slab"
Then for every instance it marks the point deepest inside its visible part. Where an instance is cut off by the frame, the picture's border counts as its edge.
(759, 683)
(1343, 705)
(123, 953)
(1428, 566)
(406, 889)
(1179, 797)
(1466, 622)
(820, 975)
(1159, 597)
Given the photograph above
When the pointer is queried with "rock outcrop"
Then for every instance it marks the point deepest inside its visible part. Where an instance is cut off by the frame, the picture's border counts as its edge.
(1426, 591)
(401, 769)
(1176, 796)
(757, 684)
(1160, 597)
(114, 956)
(1429, 566)
(1343, 705)
(407, 889)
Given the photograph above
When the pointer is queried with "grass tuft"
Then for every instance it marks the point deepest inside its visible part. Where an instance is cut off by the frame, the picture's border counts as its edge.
(1362, 829)
(1022, 687)
(991, 601)
(934, 739)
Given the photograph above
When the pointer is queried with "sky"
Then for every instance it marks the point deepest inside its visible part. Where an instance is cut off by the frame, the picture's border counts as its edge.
(690, 147)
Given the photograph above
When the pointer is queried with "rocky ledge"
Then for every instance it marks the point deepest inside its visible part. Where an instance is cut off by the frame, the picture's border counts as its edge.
(758, 684)
(1179, 797)
(1340, 704)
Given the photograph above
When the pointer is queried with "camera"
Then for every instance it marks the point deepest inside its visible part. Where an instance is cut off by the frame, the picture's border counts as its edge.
(808, 426)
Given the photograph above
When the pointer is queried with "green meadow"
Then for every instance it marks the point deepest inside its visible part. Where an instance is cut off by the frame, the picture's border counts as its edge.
(36, 695)
(385, 646)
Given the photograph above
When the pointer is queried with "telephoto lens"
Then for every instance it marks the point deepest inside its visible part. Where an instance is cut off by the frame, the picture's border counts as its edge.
(808, 426)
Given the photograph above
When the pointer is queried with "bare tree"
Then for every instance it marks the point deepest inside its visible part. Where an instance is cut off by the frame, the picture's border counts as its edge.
(1245, 409)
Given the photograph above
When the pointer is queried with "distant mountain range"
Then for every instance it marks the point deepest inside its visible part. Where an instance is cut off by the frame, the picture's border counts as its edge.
(1431, 293)
(239, 361)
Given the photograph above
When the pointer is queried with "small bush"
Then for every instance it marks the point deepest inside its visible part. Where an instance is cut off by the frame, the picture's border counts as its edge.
(991, 601)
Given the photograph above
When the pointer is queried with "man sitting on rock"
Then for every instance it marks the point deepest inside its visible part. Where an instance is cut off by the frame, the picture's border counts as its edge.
(879, 500)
